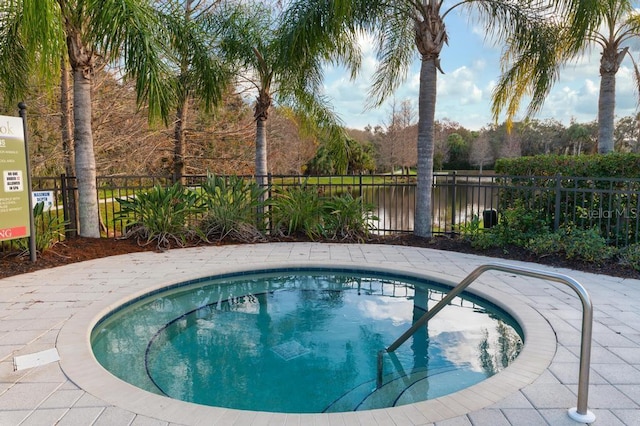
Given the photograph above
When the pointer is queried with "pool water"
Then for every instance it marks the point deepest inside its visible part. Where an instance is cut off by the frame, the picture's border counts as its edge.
(303, 342)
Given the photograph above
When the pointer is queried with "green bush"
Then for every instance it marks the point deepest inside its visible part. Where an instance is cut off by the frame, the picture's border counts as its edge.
(470, 230)
(587, 245)
(49, 230)
(301, 210)
(546, 244)
(496, 237)
(298, 210)
(523, 227)
(231, 206)
(348, 218)
(615, 164)
(574, 243)
(523, 222)
(516, 226)
(161, 214)
(630, 256)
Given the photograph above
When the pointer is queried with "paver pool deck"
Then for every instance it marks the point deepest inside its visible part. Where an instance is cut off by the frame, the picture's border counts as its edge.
(55, 308)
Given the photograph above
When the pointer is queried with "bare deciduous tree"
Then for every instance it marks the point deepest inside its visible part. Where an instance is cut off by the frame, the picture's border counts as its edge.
(481, 152)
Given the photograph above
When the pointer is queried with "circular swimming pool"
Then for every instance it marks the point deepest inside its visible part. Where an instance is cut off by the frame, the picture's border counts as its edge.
(303, 341)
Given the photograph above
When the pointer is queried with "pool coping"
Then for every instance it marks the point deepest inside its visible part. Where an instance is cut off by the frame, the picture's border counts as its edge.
(79, 364)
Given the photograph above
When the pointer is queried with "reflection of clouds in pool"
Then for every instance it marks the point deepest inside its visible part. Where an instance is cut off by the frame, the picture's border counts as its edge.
(465, 333)
(386, 309)
(465, 329)
(459, 347)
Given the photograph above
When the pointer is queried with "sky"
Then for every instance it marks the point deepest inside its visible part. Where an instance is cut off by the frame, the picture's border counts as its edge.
(472, 68)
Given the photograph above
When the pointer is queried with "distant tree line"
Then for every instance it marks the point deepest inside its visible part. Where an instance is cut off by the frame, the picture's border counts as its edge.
(223, 140)
(458, 148)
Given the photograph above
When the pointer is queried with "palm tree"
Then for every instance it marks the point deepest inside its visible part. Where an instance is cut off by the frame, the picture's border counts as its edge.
(612, 28)
(402, 26)
(622, 23)
(36, 34)
(262, 41)
(199, 74)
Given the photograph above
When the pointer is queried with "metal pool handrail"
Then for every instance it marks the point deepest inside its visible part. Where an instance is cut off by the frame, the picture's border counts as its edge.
(579, 413)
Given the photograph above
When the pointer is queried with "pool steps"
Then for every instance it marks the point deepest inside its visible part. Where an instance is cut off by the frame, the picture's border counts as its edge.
(396, 390)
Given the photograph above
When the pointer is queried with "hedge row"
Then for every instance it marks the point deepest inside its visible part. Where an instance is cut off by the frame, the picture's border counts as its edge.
(619, 165)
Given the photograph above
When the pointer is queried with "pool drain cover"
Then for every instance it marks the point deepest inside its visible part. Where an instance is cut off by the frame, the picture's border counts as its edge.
(290, 350)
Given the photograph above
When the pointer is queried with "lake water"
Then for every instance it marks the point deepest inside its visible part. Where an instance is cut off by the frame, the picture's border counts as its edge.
(452, 205)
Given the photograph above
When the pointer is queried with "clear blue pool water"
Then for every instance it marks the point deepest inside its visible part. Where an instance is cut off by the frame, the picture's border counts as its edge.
(303, 342)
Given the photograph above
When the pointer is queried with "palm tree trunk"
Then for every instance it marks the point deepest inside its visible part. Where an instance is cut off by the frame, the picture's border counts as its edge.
(606, 110)
(261, 171)
(426, 118)
(85, 160)
(261, 113)
(179, 141)
(261, 151)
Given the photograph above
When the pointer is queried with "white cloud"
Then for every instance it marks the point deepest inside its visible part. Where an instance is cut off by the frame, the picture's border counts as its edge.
(479, 65)
(566, 102)
(464, 92)
(460, 85)
(627, 92)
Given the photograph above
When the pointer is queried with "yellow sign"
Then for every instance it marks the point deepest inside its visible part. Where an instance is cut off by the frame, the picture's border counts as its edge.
(14, 189)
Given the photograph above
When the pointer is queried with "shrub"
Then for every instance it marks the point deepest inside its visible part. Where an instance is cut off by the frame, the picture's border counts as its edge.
(546, 244)
(498, 236)
(593, 166)
(523, 223)
(49, 230)
(297, 210)
(584, 190)
(231, 205)
(161, 215)
(587, 245)
(517, 225)
(574, 243)
(301, 210)
(630, 256)
(348, 218)
(472, 229)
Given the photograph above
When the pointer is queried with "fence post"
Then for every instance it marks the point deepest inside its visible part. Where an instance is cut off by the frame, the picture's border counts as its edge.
(556, 220)
(453, 204)
(69, 206)
(32, 222)
(65, 204)
(266, 208)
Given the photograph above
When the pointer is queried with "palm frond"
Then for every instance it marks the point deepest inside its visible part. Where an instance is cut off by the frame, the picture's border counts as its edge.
(130, 32)
(200, 69)
(396, 50)
(320, 27)
(530, 68)
(31, 45)
(14, 64)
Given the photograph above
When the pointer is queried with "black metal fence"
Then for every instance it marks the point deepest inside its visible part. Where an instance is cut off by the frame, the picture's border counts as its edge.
(612, 205)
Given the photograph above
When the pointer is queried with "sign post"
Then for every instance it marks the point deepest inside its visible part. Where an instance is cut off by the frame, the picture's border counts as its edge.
(16, 206)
